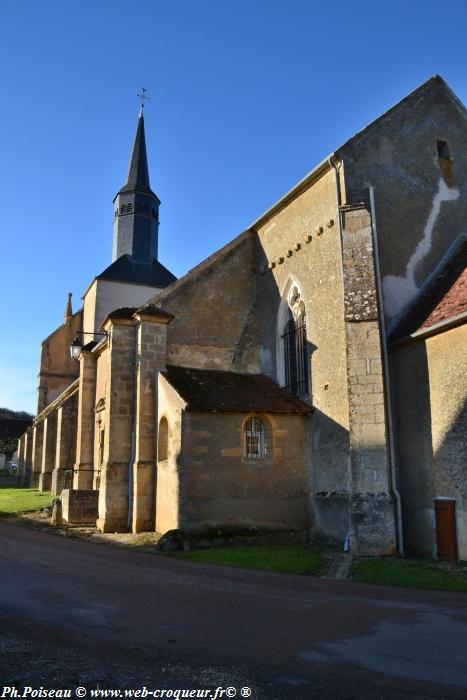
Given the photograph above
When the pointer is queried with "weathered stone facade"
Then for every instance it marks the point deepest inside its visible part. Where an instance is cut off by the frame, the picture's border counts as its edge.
(65, 452)
(57, 370)
(37, 453)
(430, 376)
(344, 253)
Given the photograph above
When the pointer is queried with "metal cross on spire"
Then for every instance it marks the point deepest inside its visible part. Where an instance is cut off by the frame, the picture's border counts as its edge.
(142, 96)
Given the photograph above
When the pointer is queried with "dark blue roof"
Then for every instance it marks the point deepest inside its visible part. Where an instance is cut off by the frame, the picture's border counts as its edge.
(125, 269)
(138, 172)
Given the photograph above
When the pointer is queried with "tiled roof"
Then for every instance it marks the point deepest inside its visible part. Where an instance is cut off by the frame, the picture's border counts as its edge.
(453, 303)
(443, 298)
(215, 390)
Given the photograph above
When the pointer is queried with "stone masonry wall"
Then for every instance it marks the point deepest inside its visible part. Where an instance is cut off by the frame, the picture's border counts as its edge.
(28, 442)
(420, 198)
(300, 244)
(429, 376)
(119, 438)
(224, 488)
(211, 322)
(79, 506)
(170, 467)
(84, 464)
(49, 447)
(37, 447)
(65, 454)
(371, 521)
(151, 355)
(56, 369)
(20, 473)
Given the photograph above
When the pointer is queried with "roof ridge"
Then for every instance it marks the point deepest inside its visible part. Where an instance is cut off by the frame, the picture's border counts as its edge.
(435, 79)
(203, 265)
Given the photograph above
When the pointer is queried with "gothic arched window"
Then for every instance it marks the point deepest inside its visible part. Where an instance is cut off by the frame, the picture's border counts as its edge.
(294, 345)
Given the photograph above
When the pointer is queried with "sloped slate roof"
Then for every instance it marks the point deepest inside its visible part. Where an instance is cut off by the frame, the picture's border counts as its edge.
(215, 390)
(138, 172)
(443, 298)
(125, 269)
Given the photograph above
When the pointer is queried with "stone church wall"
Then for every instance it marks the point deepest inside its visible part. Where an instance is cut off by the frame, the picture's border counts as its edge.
(56, 369)
(100, 413)
(429, 377)
(222, 487)
(169, 459)
(213, 308)
(302, 246)
(420, 197)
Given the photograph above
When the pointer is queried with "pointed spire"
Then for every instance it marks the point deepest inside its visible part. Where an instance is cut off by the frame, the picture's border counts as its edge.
(138, 173)
(136, 207)
(68, 310)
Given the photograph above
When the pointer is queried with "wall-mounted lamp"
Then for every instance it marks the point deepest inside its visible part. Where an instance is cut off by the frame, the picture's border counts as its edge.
(75, 349)
(77, 346)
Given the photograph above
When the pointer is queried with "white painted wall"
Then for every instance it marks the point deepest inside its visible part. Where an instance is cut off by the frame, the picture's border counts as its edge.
(104, 296)
(399, 291)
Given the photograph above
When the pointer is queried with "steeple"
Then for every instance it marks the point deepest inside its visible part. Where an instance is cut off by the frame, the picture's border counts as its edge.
(136, 213)
(138, 171)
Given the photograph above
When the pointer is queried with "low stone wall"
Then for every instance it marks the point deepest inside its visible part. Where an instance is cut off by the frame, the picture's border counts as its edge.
(207, 538)
(79, 506)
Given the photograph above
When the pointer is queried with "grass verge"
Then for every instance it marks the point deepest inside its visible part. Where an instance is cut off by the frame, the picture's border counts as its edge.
(295, 559)
(14, 500)
(408, 574)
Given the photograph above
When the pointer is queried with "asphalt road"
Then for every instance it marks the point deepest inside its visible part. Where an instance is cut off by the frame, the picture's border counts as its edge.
(74, 613)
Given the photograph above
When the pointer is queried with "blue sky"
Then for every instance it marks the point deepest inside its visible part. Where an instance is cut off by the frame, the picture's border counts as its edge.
(246, 96)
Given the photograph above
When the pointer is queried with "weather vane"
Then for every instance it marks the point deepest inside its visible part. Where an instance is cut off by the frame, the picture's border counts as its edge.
(142, 96)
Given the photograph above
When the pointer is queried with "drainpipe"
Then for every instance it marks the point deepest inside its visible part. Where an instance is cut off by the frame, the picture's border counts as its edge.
(387, 381)
(347, 543)
(130, 481)
(133, 434)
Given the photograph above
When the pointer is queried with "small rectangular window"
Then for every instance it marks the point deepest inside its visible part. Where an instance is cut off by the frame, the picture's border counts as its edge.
(443, 150)
(255, 447)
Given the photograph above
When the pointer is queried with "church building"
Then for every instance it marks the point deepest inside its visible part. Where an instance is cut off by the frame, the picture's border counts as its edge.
(311, 375)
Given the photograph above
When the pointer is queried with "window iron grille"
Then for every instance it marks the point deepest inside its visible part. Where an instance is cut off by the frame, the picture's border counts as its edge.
(255, 446)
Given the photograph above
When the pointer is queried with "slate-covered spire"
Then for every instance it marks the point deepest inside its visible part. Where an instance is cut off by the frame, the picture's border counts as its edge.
(136, 214)
(138, 171)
